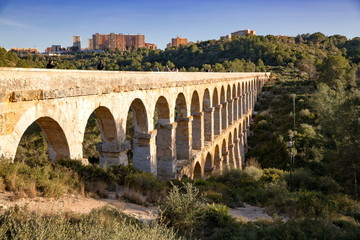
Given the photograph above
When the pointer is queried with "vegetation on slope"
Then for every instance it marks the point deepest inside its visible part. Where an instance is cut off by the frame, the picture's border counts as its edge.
(318, 191)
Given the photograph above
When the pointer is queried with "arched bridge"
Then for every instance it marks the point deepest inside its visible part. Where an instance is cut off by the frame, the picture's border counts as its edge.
(191, 124)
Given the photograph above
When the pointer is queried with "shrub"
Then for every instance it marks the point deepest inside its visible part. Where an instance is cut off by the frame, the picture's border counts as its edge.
(217, 215)
(104, 223)
(147, 184)
(183, 211)
(213, 197)
(301, 179)
(48, 180)
(314, 205)
(271, 175)
(134, 196)
(97, 189)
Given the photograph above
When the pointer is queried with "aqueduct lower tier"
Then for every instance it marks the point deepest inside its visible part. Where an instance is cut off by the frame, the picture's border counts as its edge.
(191, 124)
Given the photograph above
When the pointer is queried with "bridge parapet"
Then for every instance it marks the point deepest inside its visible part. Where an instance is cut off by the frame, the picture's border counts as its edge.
(24, 84)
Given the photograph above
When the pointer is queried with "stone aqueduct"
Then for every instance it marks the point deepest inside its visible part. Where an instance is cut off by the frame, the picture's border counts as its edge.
(199, 127)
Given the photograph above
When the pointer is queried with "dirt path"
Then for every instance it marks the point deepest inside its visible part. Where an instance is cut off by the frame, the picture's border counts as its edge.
(81, 205)
(249, 213)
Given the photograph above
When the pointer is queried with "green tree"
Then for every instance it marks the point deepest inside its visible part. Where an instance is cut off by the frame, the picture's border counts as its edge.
(335, 68)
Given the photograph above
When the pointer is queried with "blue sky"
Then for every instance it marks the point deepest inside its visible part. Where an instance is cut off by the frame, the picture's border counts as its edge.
(42, 23)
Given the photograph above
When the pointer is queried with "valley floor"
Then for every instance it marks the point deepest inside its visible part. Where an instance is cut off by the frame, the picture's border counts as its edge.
(81, 205)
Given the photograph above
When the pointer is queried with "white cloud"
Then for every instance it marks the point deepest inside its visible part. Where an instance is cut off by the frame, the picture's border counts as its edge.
(11, 23)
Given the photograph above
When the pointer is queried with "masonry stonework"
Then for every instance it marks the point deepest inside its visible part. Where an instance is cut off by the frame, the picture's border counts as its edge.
(186, 124)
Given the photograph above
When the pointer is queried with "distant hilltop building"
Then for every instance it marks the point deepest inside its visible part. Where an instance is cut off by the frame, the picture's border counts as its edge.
(76, 43)
(119, 41)
(28, 50)
(227, 37)
(55, 49)
(175, 42)
(243, 33)
(151, 46)
(239, 33)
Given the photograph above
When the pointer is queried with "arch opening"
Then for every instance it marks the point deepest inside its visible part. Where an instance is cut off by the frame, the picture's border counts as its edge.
(197, 171)
(217, 115)
(223, 109)
(164, 141)
(236, 150)
(224, 154)
(138, 136)
(239, 100)
(235, 103)
(183, 146)
(208, 169)
(231, 151)
(208, 117)
(230, 105)
(43, 141)
(217, 160)
(197, 139)
(100, 133)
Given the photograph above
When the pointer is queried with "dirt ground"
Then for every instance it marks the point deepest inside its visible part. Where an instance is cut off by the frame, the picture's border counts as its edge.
(81, 205)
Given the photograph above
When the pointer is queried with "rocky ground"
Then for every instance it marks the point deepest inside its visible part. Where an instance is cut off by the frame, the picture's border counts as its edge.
(80, 205)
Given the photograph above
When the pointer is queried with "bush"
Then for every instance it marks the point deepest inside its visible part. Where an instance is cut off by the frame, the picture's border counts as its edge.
(147, 184)
(314, 205)
(301, 179)
(47, 180)
(272, 175)
(104, 223)
(217, 216)
(183, 211)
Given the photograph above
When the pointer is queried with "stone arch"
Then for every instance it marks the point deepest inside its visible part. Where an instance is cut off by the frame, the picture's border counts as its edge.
(138, 110)
(58, 147)
(223, 108)
(162, 111)
(235, 103)
(208, 116)
(108, 147)
(244, 130)
(141, 139)
(239, 100)
(165, 154)
(243, 102)
(208, 168)
(197, 171)
(183, 146)
(246, 98)
(217, 115)
(236, 150)
(224, 154)
(217, 160)
(197, 140)
(251, 92)
(231, 151)
(106, 124)
(230, 104)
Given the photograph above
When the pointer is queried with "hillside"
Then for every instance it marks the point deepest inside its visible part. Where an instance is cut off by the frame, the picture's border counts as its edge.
(303, 160)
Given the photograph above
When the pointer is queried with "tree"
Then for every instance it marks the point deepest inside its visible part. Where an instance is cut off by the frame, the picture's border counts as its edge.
(333, 69)
(260, 64)
(333, 106)
(307, 65)
(170, 64)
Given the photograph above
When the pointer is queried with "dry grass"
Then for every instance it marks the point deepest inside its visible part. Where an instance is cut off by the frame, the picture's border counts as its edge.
(31, 190)
(2, 185)
(253, 162)
(134, 196)
(96, 189)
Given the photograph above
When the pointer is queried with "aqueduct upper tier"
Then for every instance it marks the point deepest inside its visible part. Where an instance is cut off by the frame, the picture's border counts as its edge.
(185, 123)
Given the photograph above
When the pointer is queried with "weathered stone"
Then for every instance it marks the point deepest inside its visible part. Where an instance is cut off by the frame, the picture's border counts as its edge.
(61, 101)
